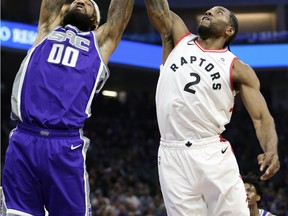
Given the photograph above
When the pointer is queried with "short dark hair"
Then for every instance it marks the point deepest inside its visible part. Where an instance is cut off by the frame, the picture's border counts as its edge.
(235, 24)
(254, 180)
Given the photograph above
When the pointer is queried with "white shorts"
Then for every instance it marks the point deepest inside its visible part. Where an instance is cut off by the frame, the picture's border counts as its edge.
(201, 179)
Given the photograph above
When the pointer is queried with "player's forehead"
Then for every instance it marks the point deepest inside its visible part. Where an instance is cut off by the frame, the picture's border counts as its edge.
(249, 186)
(221, 8)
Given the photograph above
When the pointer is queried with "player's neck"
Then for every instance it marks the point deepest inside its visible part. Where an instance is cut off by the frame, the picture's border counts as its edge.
(254, 210)
(211, 43)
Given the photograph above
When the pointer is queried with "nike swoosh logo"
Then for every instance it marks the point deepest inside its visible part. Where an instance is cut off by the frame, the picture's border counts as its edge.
(75, 147)
(224, 150)
(191, 42)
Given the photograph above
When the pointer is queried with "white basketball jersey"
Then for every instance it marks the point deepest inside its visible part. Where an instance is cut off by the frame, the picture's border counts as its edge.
(194, 96)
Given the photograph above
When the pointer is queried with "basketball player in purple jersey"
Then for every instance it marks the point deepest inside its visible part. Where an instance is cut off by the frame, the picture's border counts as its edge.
(254, 191)
(51, 98)
(198, 80)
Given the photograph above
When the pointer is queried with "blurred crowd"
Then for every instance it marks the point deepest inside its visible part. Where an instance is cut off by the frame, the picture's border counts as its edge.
(122, 158)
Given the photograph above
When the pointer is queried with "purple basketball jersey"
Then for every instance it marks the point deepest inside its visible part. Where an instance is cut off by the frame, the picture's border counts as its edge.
(57, 80)
(51, 99)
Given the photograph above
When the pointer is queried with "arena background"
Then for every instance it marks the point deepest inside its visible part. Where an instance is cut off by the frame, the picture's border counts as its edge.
(123, 129)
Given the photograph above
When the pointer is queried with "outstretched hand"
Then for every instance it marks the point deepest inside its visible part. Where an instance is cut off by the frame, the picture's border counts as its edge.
(271, 161)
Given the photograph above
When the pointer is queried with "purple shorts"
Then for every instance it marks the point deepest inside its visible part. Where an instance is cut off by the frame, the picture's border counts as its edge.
(46, 167)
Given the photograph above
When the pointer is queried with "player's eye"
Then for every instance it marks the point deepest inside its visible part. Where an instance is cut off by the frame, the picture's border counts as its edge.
(89, 3)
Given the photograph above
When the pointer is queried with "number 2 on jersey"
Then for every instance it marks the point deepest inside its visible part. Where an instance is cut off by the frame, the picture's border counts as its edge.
(190, 84)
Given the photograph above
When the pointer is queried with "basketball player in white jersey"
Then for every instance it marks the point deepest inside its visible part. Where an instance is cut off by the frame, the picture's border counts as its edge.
(199, 78)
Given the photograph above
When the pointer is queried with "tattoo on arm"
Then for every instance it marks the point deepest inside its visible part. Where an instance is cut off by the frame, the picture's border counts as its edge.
(160, 15)
(157, 5)
(120, 11)
(54, 6)
(158, 9)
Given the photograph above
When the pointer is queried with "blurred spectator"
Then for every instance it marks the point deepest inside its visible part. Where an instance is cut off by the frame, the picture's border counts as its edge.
(254, 191)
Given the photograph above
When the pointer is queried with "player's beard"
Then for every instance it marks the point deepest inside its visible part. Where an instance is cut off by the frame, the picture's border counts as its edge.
(211, 31)
(75, 18)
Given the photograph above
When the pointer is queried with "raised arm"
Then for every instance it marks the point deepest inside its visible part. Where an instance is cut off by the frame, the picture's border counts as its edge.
(51, 12)
(109, 34)
(170, 26)
(249, 87)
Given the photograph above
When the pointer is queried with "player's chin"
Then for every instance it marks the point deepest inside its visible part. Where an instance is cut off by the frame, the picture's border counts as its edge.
(249, 203)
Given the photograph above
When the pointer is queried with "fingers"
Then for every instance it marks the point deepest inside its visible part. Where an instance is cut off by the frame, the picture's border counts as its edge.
(271, 161)
(260, 161)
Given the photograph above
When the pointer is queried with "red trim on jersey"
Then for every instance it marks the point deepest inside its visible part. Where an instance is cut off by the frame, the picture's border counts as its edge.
(188, 33)
(231, 73)
(232, 149)
(209, 50)
(222, 139)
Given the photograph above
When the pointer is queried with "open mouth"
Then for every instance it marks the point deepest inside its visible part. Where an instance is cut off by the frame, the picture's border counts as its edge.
(79, 7)
(205, 18)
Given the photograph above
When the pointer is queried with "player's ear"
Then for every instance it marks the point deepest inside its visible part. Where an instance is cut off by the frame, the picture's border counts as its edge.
(258, 198)
(94, 24)
(230, 31)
